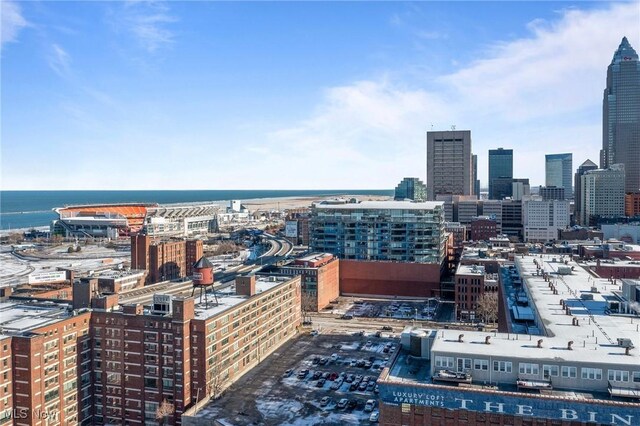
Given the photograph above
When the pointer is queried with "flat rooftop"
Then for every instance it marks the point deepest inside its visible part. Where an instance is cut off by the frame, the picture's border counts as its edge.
(115, 274)
(470, 270)
(18, 317)
(314, 257)
(382, 205)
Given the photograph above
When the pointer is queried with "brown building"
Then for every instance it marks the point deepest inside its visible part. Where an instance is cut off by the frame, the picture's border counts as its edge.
(320, 279)
(471, 284)
(632, 204)
(390, 278)
(483, 228)
(116, 363)
(165, 260)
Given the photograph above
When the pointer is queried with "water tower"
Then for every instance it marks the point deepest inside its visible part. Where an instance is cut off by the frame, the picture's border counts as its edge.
(203, 278)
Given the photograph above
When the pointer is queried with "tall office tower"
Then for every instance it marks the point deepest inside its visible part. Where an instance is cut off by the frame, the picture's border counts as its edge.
(449, 164)
(411, 189)
(476, 181)
(602, 194)
(621, 115)
(500, 166)
(558, 170)
(541, 219)
(577, 182)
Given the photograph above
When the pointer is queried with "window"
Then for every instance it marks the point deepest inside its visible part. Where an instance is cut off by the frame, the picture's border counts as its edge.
(526, 368)
(592, 373)
(502, 366)
(444, 362)
(550, 371)
(569, 372)
(618, 376)
(464, 364)
(636, 376)
(481, 364)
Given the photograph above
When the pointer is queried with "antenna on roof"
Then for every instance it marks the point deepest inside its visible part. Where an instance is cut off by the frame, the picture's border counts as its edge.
(453, 127)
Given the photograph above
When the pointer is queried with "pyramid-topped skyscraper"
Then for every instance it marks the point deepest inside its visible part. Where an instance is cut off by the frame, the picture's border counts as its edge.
(621, 115)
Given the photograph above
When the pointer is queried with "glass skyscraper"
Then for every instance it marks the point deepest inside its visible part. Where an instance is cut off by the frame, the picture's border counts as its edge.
(500, 166)
(621, 115)
(559, 172)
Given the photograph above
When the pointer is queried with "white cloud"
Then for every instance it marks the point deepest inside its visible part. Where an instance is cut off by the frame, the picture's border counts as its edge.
(539, 94)
(12, 21)
(147, 22)
(59, 60)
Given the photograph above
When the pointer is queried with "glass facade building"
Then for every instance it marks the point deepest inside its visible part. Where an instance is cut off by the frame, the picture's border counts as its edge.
(559, 172)
(500, 166)
(621, 115)
(411, 189)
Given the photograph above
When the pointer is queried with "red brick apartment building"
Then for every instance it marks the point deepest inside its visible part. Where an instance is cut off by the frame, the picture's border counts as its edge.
(117, 362)
(320, 274)
(165, 260)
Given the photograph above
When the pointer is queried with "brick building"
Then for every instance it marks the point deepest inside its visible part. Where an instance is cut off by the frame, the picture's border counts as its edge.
(164, 260)
(117, 362)
(483, 228)
(471, 284)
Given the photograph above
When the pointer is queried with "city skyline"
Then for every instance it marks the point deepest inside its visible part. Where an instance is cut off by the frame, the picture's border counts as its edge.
(111, 95)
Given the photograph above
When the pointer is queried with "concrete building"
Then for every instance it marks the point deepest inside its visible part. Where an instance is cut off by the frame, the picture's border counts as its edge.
(164, 260)
(520, 188)
(576, 366)
(541, 219)
(602, 194)
(628, 233)
(500, 166)
(411, 189)
(115, 362)
(551, 193)
(449, 163)
(621, 115)
(558, 172)
(577, 182)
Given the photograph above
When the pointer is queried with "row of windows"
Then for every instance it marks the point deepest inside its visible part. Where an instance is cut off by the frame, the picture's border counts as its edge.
(534, 369)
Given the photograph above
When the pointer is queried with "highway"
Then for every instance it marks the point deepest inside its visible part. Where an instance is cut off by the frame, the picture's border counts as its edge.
(278, 250)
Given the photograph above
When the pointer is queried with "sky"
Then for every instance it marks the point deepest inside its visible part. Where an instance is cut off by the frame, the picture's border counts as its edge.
(295, 95)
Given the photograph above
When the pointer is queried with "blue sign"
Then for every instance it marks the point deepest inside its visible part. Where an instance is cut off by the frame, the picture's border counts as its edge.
(533, 406)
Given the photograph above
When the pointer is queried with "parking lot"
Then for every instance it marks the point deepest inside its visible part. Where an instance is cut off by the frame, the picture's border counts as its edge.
(423, 310)
(323, 380)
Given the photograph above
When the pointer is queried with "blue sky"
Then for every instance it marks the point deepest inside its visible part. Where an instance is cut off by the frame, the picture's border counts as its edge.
(294, 95)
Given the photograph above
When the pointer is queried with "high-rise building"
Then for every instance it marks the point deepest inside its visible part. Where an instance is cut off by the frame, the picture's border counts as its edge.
(577, 181)
(602, 194)
(541, 219)
(500, 166)
(621, 115)
(165, 260)
(558, 171)
(449, 163)
(411, 189)
(476, 181)
(551, 193)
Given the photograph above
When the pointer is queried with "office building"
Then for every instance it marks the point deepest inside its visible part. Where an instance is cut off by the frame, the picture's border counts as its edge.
(632, 204)
(411, 189)
(483, 228)
(520, 188)
(500, 166)
(602, 194)
(512, 219)
(449, 163)
(502, 188)
(558, 172)
(577, 182)
(541, 219)
(621, 115)
(476, 181)
(559, 360)
(551, 193)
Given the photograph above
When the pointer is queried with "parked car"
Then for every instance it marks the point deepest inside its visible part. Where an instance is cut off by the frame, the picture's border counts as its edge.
(350, 378)
(323, 361)
(287, 373)
(314, 332)
(336, 385)
(325, 401)
(376, 390)
(320, 383)
(325, 375)
(347, 317)
(368, 343)
(368, 364)
(353, 387)
(378, 334)
(370, 386)
(374, 417)
(360, 363)
(370, 405)
(333, 376)
(352, 404)
(387, 328)
(343, 403)
(334, 357)
(362, 387)
(315, 360)
(303, 373)
(353, 362)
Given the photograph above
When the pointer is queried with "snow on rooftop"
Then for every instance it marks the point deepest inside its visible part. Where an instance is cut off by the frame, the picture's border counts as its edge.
(382, 205)
(18, 317)
(228, 298)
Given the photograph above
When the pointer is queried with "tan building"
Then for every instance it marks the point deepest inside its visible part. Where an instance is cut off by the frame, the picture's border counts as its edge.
(320, 279)
(164, 260)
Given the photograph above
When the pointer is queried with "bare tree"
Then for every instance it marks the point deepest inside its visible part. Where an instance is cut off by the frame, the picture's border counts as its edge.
(487, 308)
(165, 409)
(307, 305)
(215, 379)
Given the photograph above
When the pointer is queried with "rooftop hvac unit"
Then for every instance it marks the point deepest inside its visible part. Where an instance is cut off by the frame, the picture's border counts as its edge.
(625, 342)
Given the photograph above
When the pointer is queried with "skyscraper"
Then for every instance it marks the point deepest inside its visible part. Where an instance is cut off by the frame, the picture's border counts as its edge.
(621, 115)
(411, 189)
(500, 166)
(602, 194)
(577, 182)
(476, 181)
(558, 172)
(449, 164)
